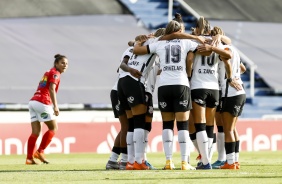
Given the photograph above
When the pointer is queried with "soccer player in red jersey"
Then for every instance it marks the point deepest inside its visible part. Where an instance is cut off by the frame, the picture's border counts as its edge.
(43, 107)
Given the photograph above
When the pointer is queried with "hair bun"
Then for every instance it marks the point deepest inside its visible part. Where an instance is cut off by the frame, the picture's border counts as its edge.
(178, 16)
(57, 55)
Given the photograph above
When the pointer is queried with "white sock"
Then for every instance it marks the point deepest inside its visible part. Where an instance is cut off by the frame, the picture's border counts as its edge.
(210, 146)
(230, 158)
(220, 147)
(124, 157)
(237, 157)
(183, 137)
(130, 147)
(168, 143)
(138, 138)
(114, 157)
(146, 134)
(202, 140)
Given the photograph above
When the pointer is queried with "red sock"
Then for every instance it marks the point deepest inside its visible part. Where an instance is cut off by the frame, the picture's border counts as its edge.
(46, 139)
(31, 145)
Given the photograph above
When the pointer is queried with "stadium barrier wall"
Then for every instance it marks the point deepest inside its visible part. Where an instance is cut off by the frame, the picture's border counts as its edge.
(95, 131)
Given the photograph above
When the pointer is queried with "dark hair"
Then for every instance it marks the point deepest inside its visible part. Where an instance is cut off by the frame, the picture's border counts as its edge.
(58, 57)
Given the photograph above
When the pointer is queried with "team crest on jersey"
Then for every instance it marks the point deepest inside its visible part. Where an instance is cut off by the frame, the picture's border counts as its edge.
(216, 103)
(163, 104)
(130, 99)
(237, 108)
(184, 103)
(55, 76)
(199, 101)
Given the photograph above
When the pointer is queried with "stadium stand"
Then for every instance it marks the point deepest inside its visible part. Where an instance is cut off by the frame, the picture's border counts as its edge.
(87, 30)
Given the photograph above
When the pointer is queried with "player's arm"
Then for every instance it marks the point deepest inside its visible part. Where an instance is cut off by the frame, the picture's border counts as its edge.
(189, 64)
(220, 38)
(52, 91)
(178, 35)
(242, 68)
(228, 72)
(126, 68)
(222, 52)
(139, 49)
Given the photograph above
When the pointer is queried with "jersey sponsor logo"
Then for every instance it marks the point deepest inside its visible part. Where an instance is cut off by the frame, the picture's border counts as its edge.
(33, 117)
(199, 101)
(173, 68)
(130, 99)
(44, 115)
(206, 71)
(163, 104)
(134, 63)
(184, 103)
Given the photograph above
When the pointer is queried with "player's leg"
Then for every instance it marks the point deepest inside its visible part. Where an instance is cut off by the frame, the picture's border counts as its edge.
(220, 142)
(35, 131)
(113, 160)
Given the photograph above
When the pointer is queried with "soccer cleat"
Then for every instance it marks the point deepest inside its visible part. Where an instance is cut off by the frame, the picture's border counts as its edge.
(41, 157)
(122, 165)
(129, 166)
(186, 166)
(217, 164)
(169, 165)
(199, 157)
(112, 165)
(204, 167)
(237, 165)
(149, 165)
(228, 166)
(31, 162)
(141, 166)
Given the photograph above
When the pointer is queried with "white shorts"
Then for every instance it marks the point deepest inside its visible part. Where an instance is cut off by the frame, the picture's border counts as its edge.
(40, 112)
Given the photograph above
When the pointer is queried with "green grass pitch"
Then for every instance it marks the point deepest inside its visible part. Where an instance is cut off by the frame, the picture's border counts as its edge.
(256, 167)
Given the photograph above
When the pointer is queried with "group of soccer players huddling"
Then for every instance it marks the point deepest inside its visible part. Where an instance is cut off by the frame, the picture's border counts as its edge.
(198, 73)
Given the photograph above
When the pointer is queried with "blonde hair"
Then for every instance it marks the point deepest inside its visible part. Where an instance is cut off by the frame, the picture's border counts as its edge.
(172, 26)
(203, 26)
(217, 30)
(159, 32)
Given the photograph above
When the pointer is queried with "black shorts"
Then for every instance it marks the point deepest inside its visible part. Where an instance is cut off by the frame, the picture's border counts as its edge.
(149, 103)
(234, 105)
(130, 92)
(117, 109)
(174, 98)
(205, 97)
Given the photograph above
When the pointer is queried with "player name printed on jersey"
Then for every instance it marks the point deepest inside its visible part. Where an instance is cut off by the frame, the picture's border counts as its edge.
(173, 68)
(73, 134)
(206, 71)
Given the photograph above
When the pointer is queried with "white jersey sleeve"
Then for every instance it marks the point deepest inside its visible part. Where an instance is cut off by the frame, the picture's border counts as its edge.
(152, 77)
(236, 73)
